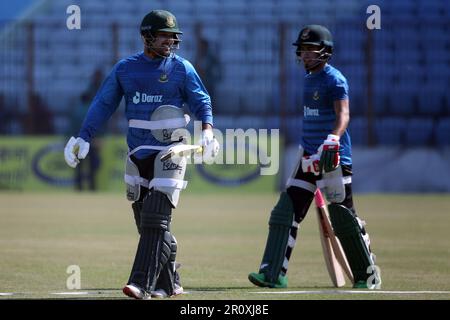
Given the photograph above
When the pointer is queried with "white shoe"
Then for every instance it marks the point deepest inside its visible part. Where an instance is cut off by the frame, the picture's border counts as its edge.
(161, 293)
(135, 292)
(178, 290)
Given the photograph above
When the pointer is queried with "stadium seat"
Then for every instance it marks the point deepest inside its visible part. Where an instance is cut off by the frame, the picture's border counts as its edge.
(402, 101)
(358, 104)
(223, 122)
(227, 101)
(431, 101)
(272, 122)
(437, 75)
(381, 103)
(358, 129)
(289, 8)
(249, 122)
(443, 132)
(390, 131)
(437, 55)
(419, 131)
(293, 126)
(255, 101)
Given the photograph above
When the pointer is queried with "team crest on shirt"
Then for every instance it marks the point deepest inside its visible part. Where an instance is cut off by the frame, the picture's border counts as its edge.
(163, 78)
(316, 96)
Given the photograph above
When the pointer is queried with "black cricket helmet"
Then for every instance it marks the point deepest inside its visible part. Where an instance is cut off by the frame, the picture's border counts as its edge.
(317, 35)
(159, 21)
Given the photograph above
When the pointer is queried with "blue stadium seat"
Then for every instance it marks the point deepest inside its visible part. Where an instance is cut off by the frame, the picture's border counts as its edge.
(431, 100)
(290, 7)
(293, 126)
(358, 104)
(409, 56)
(249, 122)
(443, 132)
(223, 122)
(419, 131)
(380, 102)
(357, 80)
(429, 9)
(409, 40)
(408, 81)
(272, 122)
(406, 7)
(438, 74)
(358, 129)
(436, 55)
(402, 101)
(390, 130)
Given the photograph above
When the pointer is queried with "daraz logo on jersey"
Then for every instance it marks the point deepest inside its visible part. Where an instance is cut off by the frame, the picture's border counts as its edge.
(144, 98)
(310, 112)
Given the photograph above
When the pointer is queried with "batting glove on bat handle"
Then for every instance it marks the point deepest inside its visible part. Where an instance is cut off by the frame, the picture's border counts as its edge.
(329, 154)
(76, 149)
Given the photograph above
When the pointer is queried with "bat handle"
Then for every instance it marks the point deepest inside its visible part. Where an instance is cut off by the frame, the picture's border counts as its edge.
(318, 198)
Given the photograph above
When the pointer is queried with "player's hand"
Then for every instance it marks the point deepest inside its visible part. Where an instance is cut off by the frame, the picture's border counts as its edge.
(329, 154)
(76, 149)
(311, 164)
(210, 145)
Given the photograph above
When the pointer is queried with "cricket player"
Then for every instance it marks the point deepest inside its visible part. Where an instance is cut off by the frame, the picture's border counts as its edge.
(155, 84)
(325, 161)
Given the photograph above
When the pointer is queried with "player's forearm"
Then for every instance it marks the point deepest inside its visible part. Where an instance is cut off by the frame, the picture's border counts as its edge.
(96, 118)
(342, 117)
(341, 125)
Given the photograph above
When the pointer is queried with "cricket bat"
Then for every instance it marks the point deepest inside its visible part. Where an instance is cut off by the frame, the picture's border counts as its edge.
(335, 259)
(181, 150)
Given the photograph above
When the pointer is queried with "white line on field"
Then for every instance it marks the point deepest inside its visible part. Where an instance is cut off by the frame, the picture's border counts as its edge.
(80, 293)
(74, 293)
(351, 291)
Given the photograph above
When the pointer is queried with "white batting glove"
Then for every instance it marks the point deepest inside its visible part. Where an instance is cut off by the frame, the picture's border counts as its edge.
(75, 150)
(210, 145)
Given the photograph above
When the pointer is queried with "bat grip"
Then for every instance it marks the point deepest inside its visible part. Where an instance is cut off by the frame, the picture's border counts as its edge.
(318, 198)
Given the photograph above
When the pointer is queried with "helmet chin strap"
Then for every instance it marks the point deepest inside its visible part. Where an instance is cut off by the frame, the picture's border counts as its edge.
(148, 44)
(318, 62)
(323, 57)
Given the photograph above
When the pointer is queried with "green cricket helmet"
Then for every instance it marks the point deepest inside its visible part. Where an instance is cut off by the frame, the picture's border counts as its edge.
(159, 21)
(314, 34)
(319, 36)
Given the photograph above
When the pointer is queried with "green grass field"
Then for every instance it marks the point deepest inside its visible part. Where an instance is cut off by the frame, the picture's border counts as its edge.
(220, 239)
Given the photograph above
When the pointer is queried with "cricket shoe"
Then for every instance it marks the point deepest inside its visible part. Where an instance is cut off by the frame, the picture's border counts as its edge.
(178, 289)
(136, 292)
(360, 285)
(161, 293)
(259, 279)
